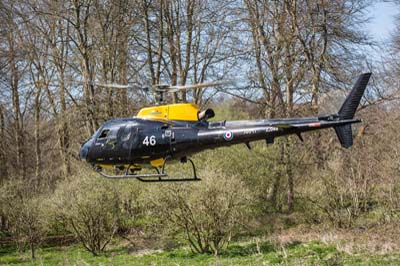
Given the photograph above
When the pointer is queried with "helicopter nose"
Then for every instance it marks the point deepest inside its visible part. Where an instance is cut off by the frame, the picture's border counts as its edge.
(84, 151)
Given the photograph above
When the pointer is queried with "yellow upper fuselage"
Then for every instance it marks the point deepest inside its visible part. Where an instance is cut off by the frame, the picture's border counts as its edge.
(180, 111)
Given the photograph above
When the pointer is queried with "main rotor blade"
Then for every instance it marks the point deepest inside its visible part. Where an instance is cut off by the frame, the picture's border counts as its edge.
(195, 86)
(119, 86)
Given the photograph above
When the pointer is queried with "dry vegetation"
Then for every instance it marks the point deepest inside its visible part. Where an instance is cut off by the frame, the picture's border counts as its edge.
(293, 58)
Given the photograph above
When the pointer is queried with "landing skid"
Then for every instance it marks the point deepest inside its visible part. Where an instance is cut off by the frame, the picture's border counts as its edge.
(158, 177)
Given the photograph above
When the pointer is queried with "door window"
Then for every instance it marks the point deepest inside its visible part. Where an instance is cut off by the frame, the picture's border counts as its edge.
(126, 133)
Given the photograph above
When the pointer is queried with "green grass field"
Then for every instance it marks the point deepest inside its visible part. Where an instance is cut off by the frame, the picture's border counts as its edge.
(311, 253)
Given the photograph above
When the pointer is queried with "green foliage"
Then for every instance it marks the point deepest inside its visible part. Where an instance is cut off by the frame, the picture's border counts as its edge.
(311, 253)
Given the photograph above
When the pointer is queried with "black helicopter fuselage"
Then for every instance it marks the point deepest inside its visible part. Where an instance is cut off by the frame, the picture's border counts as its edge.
(139, 141)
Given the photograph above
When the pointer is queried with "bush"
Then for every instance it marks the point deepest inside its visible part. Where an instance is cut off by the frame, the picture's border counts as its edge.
(209, 213)
(88, 206)
(25, 213)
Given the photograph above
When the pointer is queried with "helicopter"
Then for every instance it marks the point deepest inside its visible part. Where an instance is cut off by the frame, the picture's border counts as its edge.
(162, 134)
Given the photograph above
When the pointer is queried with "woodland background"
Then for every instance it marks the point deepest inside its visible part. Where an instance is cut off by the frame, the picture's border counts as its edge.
(289, 58)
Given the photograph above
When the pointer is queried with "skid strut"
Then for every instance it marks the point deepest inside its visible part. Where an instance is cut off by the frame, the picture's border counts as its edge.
(157, 177)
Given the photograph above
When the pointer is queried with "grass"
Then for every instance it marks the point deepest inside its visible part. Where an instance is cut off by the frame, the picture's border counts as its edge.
(311, 253)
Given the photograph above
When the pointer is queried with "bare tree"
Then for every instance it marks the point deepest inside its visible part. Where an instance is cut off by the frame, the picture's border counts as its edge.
(38, 57)
(184, 41)
(113, 50)
(57, 37)
(14, 84)
(82, 14)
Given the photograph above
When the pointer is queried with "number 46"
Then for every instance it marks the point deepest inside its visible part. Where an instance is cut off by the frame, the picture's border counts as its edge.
(150, 141)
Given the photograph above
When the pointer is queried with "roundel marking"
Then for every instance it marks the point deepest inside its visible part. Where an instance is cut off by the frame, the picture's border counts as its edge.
(228, 135)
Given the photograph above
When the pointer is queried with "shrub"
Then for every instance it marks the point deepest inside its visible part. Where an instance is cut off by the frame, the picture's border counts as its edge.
(89, 207)
(209, 213)
(25, 213)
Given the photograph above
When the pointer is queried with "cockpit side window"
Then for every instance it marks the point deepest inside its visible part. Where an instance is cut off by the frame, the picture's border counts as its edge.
(104, 134)
(108, 133)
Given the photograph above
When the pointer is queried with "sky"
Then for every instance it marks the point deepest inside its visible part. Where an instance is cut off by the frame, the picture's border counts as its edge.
(382, 20)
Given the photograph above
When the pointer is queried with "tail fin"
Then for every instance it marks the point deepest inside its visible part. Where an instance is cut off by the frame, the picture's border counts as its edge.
(352, 101)
(349, 108)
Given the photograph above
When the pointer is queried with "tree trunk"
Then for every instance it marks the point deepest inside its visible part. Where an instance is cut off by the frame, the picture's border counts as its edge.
(85, 47)
(149, 50)
(122, 67)
(288, 161)
(289, 174)
(59, 52)
(16, 107)
(89, 94)
(37, 132)
(32, 250)
(63, 132)
(169, 17)
(3, 162)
